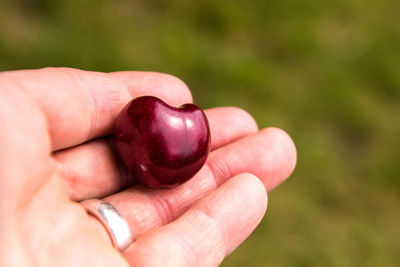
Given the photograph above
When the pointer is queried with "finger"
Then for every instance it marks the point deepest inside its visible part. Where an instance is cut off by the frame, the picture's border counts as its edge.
(208, 231)
(270, 155)
(93, 170)
(228, 124)
(81, 105)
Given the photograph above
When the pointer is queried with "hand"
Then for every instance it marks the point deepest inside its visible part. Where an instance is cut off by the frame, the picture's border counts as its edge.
(55, 153)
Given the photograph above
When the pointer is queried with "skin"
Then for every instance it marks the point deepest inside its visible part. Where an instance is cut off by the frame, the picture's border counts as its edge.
(55, 152)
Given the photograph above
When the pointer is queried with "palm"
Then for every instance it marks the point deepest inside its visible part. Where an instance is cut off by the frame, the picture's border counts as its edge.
(55, 119)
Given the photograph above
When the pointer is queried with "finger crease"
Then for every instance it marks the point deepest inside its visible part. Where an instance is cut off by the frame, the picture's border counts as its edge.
(163, 208)
(220, 171)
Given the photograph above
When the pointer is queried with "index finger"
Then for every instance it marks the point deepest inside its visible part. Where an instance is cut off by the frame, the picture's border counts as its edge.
(82, 105)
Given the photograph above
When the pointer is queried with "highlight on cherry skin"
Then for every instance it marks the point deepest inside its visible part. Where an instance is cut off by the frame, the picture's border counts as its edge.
(161, 145)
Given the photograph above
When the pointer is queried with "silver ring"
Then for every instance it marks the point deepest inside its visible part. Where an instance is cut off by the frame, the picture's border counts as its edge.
(116, 226)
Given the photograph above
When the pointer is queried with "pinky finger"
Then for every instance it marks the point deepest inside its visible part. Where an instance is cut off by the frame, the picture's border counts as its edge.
(208, 231)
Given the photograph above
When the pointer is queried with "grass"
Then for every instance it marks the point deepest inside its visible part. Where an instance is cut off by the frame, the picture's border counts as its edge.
(326, 72)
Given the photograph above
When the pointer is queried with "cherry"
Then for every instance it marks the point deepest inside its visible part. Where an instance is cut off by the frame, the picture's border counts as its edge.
(161, 145)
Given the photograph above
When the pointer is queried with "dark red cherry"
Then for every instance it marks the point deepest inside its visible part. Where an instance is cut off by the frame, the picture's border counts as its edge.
(159, 144)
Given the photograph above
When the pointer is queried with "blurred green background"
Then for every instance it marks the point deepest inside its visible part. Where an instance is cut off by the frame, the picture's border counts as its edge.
(327, 72)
